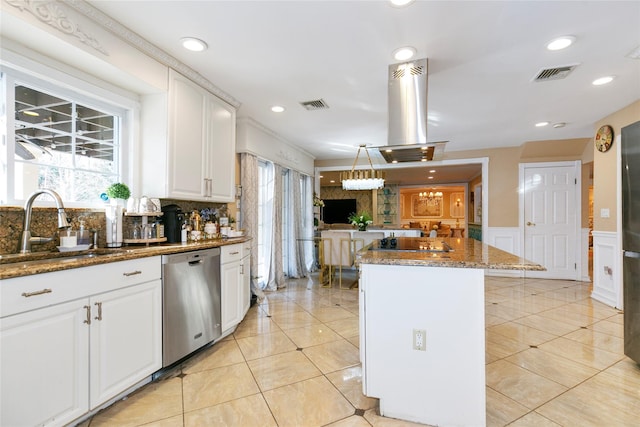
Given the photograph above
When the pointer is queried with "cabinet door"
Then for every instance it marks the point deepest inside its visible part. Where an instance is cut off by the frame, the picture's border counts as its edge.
(221, 143)
(186, 153)
(126, 338)
(245, 293)
(231, 294)
(44, 365)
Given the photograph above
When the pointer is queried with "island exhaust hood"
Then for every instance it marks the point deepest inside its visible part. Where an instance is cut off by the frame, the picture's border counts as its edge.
(407, 140)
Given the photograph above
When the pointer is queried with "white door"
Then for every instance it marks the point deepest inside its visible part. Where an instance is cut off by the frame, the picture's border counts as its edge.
(550, 218)
(126, 338)
(44, 365)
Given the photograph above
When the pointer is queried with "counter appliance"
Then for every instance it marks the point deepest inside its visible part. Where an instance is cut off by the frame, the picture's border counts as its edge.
(630, 146)
(191, 315)
(172, 218)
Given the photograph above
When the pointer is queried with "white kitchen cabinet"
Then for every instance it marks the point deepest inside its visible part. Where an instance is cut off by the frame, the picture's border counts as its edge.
(44, 366)
(231, 289)
(70, 340)
(192, 157)
(126, 335)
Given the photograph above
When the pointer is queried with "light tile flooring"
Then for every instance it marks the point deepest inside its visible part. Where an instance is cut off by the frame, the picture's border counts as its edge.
(554, 357)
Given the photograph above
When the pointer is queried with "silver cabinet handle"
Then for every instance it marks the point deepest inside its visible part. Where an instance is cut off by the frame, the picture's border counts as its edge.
(33, 294)
(132, 273)
(88, 319)
(234, 253)
(241, 268)
(531, 223)
(99, 316)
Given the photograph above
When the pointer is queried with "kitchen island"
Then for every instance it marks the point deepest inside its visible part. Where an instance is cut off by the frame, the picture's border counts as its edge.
(422, 341)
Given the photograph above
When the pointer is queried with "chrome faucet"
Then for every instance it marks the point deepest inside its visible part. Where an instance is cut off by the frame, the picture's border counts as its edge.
(27, 240)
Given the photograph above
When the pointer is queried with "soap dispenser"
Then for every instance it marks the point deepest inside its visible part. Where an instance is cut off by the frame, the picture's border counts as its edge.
(84, 237)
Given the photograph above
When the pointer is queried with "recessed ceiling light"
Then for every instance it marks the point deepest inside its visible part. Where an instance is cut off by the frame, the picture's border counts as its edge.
(602, 80)
(277, 109)
(332, 181)
(404, 53)
(542, 124)
(559, 125)
(400, 3)
(423, 160)
(321, 176)
(561, 43)
(193, 44)
(388, 151)
(429, 177)
(394, 161)
(432, 171)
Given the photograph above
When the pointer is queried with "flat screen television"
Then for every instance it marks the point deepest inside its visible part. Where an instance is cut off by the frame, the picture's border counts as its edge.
(338, 210)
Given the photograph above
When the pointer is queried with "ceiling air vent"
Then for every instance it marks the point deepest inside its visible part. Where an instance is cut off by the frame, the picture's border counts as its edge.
(555, 73)
(316, 104)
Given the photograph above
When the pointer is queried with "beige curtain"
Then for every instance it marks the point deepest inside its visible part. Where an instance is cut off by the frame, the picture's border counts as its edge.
(249, 210)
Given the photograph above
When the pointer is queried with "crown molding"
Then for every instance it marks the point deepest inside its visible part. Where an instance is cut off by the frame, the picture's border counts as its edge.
(55, 15)
(146, 47)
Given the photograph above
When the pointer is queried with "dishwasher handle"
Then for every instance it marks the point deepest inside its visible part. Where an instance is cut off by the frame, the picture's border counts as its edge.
(195, 263)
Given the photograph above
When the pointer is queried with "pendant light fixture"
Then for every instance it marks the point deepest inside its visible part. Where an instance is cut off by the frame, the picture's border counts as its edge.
(362, 179)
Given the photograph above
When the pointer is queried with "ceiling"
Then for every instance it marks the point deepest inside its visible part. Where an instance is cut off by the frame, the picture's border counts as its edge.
(482, 59)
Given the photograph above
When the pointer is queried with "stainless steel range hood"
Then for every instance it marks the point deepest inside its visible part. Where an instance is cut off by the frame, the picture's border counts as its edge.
(407, 139)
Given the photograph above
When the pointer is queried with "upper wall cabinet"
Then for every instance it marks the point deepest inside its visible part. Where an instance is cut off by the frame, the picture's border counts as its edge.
(188, 144)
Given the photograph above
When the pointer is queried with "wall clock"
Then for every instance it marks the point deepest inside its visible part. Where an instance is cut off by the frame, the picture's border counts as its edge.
(604, 138)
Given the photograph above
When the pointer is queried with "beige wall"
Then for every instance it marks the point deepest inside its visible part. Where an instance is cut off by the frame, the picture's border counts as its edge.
(605, 175)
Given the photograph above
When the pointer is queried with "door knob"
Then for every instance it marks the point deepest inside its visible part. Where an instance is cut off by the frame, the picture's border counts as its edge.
(529, 223)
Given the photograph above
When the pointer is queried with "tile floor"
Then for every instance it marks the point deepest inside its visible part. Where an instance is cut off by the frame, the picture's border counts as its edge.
(554, 358)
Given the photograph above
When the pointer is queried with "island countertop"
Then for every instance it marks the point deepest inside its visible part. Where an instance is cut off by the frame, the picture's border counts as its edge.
(465, 253)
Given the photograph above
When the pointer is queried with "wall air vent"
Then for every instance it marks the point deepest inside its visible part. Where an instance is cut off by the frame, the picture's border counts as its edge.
(316, 104)
(555, 73)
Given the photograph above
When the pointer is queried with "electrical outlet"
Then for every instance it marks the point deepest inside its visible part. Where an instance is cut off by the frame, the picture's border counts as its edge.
(420, 339)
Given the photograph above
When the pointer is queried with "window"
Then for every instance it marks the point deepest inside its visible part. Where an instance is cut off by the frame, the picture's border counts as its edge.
(60, 140)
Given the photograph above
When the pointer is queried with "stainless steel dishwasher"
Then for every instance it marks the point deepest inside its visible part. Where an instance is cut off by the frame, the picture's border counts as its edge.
(191, 302)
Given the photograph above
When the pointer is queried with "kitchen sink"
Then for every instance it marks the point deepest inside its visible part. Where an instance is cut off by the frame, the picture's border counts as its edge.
(51, 255)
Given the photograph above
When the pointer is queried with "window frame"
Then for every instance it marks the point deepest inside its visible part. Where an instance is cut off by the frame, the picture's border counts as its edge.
(101, 96)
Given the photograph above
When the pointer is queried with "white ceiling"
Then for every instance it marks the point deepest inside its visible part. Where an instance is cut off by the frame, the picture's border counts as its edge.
(482, 57)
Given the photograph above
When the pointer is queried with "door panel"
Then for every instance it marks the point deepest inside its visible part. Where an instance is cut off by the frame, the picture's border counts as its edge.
(550, 217)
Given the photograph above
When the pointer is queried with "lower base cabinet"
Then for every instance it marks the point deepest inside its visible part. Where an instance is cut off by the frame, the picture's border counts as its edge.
(58, 362)
(124, 339)
(45, 366)
(235, 272)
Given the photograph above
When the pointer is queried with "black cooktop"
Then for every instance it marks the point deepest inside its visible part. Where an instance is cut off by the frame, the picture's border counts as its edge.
(410, 244)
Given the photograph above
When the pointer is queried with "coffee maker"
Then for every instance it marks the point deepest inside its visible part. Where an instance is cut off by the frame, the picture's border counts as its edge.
(172, 218)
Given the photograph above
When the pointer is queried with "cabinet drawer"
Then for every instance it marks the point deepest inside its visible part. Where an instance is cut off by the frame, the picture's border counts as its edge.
(26, 293)
(246, 249)
(230, 253)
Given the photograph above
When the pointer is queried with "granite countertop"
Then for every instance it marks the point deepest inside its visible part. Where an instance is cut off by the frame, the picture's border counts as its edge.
(17, 265)
(466, 253)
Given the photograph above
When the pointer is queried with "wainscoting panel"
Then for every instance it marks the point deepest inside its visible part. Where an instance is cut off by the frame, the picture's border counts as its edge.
(607, 284)
(508, 240)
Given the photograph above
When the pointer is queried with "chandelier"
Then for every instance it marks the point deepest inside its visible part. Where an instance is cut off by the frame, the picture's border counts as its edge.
(362, 179)
(430, 195)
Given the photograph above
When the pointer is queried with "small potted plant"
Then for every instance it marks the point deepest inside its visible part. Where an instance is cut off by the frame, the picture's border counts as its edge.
(118, 191)
(117, 194)
(361, 220)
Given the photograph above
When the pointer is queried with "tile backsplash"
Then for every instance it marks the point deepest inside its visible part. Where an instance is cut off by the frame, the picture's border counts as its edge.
(44, 223)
